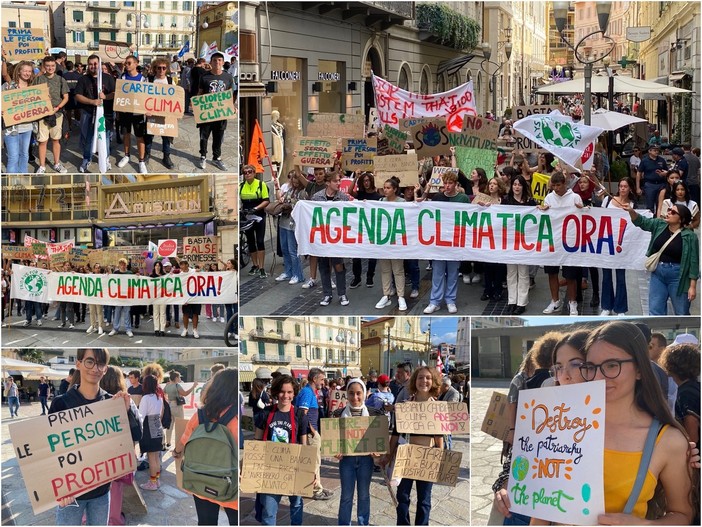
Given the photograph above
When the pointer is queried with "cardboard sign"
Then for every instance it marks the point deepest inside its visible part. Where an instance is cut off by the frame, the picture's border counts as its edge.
(482, 128)
(278, 468)
(354, 436)
(558, 454)
(404, 167)
(211, 107)
(162, 126)
(136, 398)
(427, 464)
(39, 249)
(337, 399)
(358, 154)
(525, 144)
(431, 139)
(200, 249)
(342, 125)
(17, 252)
(23, 44)
(57, 260)
(436, 179)
(71, 452)
(105, 258)
(468, 158)
(315, 152)
(432, 417)
(396, 140)
(113, 51)
(24, 105)
(486, 199)
(407, 124)
(79, 256)
(146, 97)
(496, 423)
(373, 120)
(520, 112)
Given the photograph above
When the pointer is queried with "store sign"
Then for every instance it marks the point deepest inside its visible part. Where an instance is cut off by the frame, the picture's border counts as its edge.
(283, 75)
(119, 209)
(638, 34)
(328, 76)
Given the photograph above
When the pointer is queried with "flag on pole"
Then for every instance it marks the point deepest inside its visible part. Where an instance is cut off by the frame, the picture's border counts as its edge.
(439, 363)
(204, 49)
(233, 50)
(258, 149)
(99, 131)
(211, 50)
(184, 49)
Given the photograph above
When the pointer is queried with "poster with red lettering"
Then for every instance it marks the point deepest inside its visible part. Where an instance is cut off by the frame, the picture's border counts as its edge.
(72, 452)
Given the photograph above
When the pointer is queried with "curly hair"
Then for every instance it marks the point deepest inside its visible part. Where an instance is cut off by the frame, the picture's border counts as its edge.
(681, 360)
(435, 381)
(542, 350)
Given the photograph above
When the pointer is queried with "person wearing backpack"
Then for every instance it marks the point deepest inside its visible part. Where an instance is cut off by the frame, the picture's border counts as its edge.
(151, 410)
(283, 424)
(209, 450)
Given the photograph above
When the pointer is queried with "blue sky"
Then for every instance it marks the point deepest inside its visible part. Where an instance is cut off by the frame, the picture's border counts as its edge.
(443, 329)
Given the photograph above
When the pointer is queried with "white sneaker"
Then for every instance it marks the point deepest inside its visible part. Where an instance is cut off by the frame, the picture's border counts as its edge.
(71, 326)
(605, 313)
(89, 330)
(282, 277)
(123, 162)
(221, 319)
(429, 266)
(130, 334)
(452, 308)
(84, 166)
(553, 307)
(100, 330)
(294, 280)
(112, 333)
(384, 302)
(41, 170)
(333, 284)
(309, 284)
(184, 333)
(477, 277)
(431, 308)
(196, 334)
(466, 279)
(401, 304)
(142, 167)
(573, 306)
(26, 323)
(203, 163)
(39, 322)
(414, 293)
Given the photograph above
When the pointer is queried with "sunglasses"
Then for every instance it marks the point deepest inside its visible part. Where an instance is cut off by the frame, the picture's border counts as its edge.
(248, 171)
(674, 212)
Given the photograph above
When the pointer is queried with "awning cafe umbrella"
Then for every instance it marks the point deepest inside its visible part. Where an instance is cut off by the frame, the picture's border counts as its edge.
(600, 84)
(607, 120)
(47, 372)
(22, 365)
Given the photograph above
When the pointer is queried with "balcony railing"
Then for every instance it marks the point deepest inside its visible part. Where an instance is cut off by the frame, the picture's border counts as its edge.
(271, 359)
(104, 25)
(268, 335)
(104, 5)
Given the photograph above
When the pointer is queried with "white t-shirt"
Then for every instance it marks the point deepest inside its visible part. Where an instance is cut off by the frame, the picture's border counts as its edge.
(150, 405)
(568, 200)
(634, 161)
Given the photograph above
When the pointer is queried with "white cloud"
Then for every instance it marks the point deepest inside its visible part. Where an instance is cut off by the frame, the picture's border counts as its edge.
(449, 338)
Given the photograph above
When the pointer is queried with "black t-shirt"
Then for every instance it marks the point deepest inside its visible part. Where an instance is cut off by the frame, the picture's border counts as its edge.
(63, 387)
(370, 196)
(195, 74)
(672, 253)
(211, 83)
(280, 428)
(253, 403)
(72, 78)
(87, 87)
(44, 389)
(135, 390)
(688, 400)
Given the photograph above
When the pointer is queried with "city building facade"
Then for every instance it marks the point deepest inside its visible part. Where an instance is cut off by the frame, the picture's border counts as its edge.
(386, 341)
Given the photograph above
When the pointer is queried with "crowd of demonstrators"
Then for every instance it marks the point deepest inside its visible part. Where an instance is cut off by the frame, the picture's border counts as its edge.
(617, 352)
(74, 97)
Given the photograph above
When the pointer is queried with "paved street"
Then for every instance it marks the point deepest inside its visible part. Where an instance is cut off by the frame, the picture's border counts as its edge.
(450, 505)
(185, 153)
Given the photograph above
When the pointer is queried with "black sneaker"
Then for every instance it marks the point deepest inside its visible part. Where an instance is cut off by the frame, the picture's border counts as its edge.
(262, 273)
(355, 283)
(253, 271)
(326, 301)
(369, 282)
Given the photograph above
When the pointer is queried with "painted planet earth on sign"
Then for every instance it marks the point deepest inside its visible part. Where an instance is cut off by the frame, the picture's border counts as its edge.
(520, 468)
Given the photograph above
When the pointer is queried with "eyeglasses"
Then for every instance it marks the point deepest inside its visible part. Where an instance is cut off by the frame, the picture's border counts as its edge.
(610, 369)
(248, 171)
(673, 211)
(161, 68)
(558, 369)
(90, 363)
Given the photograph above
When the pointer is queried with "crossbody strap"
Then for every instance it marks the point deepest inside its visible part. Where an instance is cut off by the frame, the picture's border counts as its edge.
(668, 241)
(643, 466)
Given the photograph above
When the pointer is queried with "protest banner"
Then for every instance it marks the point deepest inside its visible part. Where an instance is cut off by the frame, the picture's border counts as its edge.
(539, 186)
(396, 140)
(469, 158)
(432, 417)
(278, 468)
(373, 121)
(496, 423)
(525, 144)
(403, 167)
(558, 454)
(341, 125)
(146, 97)
(358, 154)
(315, 151)
(431, 139)
(211, 107)
(436, 181)
(383, 149)
(105, 258)
(124, 289)
(520, 112)
(113, 51)
(23, 105)
(17, 252)
(354, 436)
(485, 199)
(167, 248)
(458, 231)
(162, 126)
(394, 104)
(78, 256)
(70, 452)
(484, 129)
(337, 399)
(51, 248)
(23, 44)
(427, 464)
(200, 249)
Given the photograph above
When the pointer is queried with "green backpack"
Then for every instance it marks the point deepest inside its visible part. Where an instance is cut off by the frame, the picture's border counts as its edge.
(210, 459)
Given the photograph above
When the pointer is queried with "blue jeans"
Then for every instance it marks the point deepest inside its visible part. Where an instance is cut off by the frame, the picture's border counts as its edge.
(651, 191)
(269, 510)
(664, 284)
(292, 265)
(176, 313)
(611, 300)
(96, 512)
(122, 318)
(423, 495)
(217, 310)
(412, 267)
(444, 281)
(231, 309)
(87, 130)
(44, 405)
(32, 308)
(13, 403)
(517, 519)
(355, 471)
(17, 148)
(107, 312)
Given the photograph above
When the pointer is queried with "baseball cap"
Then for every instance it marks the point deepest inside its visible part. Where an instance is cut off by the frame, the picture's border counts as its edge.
(678, 151)
(383, 379)
(167, 263)
(654, 147)
(686, 338)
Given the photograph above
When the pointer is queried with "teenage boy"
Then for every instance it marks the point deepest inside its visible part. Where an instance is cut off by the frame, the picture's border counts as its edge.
(133, 121)
(214, 81)
(121, 316)
(50, 128)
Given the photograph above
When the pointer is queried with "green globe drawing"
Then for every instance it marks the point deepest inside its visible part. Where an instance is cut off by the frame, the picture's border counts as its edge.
(520, 468)
(34, 283)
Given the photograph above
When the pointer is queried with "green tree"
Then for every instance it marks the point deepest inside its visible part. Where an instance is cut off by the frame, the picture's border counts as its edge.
(32, 355)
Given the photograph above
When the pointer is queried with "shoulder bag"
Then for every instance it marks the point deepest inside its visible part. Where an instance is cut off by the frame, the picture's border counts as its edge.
(652, 261)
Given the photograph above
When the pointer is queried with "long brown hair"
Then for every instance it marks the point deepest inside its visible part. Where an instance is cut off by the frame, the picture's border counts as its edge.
(221, 392)
(435, 381)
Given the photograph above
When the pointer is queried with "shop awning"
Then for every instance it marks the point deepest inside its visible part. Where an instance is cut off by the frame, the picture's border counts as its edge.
(252, 89)
(140, 221)
(677, 76)
(246, 376)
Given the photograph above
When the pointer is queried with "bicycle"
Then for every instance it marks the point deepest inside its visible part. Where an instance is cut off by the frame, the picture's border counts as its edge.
(231, 339)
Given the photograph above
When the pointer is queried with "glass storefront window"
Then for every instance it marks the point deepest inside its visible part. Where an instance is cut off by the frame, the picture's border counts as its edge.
(289, 74)
(331, 75)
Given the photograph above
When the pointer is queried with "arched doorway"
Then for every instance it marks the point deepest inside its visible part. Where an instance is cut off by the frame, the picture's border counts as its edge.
(376, 66)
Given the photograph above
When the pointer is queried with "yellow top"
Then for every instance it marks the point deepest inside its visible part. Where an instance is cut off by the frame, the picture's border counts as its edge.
(620, 469)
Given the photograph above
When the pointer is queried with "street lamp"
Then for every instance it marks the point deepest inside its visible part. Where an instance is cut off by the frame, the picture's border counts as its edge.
(560, 14)
(142, 22)
(486, 49)
(345, 336)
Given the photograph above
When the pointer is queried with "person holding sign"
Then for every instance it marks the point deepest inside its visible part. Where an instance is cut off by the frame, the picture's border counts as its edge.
(159, 67)
(423, 386)
(51, 126)
(214, 81)
(133, 121)
(17, 137)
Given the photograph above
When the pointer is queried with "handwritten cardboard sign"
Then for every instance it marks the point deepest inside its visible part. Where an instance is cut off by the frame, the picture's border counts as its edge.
(200, 249)
(211, 107)
(17, 252)
(403, 166)
(496, 423)
(354, 436)
(335, 125)
(24, 105)
(162, 126)
(71, 452)
(558, 454)
(432, 417)
(23, 43)
(57, 260)
(373, 121)
(79, 256)
(113, 51)
(146, 97)
(358, 154)
(469, 158)
(315, 151)
(427, 464)
(396, 140)
(337, 399)
(486, 199)
(39, 249)
(431, 139)
(525, 144)
(436, 179)
(407, 123)
(278, 468)
(482, 128)
(105, 258)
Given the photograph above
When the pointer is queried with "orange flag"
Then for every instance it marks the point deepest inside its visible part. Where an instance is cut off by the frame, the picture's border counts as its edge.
(258, 148)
